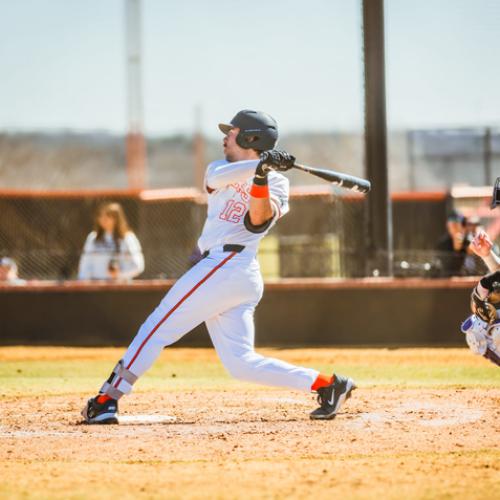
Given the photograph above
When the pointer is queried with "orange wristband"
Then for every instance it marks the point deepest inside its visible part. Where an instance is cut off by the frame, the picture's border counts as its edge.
(259, 191)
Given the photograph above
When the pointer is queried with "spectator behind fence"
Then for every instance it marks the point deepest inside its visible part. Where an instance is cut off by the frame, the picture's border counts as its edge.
(452, 246)
(8, 272)
(111, 251)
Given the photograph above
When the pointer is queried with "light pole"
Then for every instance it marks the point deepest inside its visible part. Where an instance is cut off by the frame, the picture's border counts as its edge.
(135, 143)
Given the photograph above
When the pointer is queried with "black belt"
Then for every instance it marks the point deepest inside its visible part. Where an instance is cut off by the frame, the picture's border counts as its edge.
(226, 248)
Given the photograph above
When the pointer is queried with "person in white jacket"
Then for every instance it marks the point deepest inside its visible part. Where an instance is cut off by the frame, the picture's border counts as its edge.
(112, 251)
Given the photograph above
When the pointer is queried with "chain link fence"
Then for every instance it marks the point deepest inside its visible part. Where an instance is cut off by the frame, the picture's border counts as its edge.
(45, 233)
(324, 235)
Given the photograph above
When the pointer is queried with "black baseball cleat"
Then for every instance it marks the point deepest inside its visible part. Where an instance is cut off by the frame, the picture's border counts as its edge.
(101, 413)
(332, 397)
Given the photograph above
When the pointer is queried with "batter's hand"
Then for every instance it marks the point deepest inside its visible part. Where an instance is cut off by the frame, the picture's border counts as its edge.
(481, 245)
(275, 159)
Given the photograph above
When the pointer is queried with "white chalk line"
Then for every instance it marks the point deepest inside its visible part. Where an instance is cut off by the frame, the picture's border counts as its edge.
(125, 420)
(6, 433)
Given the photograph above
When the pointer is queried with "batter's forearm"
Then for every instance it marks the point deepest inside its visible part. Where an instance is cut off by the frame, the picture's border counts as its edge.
(260, 211)
(238, 171)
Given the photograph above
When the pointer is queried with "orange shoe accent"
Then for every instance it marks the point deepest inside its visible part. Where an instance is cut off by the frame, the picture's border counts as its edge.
(322, 381)
(102, 398)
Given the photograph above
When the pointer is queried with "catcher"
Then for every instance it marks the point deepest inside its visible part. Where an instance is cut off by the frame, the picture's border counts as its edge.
(482, 329)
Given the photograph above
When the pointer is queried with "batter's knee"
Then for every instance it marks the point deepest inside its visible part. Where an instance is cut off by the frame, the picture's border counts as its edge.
(243, 367)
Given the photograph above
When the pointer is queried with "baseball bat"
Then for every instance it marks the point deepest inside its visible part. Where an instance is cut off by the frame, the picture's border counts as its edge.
(339, 179)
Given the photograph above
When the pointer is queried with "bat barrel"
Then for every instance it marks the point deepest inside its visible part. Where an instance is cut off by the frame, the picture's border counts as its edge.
(343, 180)
(353, 183)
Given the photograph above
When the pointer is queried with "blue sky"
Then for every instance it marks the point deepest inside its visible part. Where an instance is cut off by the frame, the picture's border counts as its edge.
(63, 63)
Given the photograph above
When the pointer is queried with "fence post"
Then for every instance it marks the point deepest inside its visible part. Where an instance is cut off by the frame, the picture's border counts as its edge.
(488, 179)
(380, 247)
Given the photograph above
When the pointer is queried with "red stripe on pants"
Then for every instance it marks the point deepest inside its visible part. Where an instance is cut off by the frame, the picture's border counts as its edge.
(169, 313)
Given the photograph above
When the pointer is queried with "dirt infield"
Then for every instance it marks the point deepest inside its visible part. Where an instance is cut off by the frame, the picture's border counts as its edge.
(224, 440)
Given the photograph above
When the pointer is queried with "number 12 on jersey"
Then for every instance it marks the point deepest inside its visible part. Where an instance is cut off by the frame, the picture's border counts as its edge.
(233, 211)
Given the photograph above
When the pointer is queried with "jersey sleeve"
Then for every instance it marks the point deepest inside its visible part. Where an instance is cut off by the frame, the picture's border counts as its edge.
(221, 173)
(279, 193)
(209, 172)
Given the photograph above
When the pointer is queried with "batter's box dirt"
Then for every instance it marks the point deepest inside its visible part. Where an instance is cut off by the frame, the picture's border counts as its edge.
(253, 423)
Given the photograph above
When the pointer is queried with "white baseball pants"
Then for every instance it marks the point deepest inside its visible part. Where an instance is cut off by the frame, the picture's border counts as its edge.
(222, 290)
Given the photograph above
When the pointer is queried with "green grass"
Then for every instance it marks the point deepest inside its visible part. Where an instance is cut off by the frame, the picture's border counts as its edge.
(82, 374)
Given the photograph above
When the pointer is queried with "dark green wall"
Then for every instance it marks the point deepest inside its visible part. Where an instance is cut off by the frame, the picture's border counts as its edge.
(419, 312)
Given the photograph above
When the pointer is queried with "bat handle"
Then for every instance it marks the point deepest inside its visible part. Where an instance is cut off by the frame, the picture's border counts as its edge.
(298, 166)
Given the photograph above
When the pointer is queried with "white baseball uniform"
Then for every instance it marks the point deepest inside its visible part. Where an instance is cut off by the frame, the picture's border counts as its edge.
(222, 290)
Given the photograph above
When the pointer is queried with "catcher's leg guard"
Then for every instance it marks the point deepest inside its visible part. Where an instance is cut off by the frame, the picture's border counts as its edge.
(492, 356)
(493, 351)
(119, 372)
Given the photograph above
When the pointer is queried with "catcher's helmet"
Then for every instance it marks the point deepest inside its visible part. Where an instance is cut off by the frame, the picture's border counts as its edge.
(258, 130)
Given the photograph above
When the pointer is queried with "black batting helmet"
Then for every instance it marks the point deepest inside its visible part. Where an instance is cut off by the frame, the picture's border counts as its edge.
(258, 130)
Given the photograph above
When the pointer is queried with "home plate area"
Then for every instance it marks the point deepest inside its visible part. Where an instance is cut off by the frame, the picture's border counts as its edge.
(146, 419)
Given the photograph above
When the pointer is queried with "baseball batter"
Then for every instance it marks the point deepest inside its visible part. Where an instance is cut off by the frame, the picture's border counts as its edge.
(482, 328)
(247, 194)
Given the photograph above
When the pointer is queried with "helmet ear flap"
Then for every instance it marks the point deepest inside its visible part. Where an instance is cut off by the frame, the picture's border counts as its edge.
(247, 140)
(252, 139)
